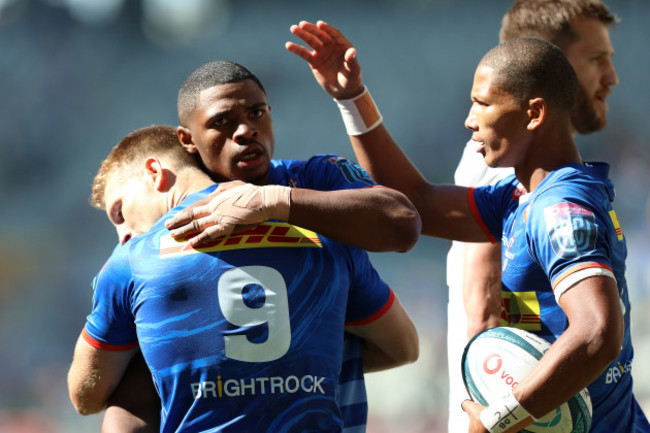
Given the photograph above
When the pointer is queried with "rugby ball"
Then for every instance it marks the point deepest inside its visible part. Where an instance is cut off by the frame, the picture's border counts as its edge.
(494, 362)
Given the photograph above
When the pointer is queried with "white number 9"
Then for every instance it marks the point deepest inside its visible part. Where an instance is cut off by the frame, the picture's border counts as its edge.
(274, 312)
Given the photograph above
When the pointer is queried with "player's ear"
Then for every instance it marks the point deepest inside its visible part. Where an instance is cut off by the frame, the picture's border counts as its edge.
(186, 139)
(156, 174)
(537, 111)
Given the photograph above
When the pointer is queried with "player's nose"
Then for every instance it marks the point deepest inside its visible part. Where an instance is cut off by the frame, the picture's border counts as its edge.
(610, 78)
(244, 132)
(470, 121)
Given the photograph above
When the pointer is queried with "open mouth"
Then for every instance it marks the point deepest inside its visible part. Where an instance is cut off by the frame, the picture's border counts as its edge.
(250, 158)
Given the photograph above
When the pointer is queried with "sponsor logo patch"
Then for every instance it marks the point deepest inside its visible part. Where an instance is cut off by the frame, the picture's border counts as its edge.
(520, 310)
(571, 228)
(269, 234)
(617, 224)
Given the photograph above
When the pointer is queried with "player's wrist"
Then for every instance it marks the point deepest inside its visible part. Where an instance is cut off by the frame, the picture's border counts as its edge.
(501, 415)
(276, 201)
(360, 114)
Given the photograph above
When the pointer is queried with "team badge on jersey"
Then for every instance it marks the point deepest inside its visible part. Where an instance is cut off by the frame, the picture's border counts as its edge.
(351, 171)
(571, 228)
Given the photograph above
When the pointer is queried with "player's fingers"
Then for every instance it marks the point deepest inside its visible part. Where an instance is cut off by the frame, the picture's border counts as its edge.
(471, 407)
(333, 33)
(307, 34)
(194, 226)
(186, 216)
(314, 29)
(242, 228)
(298, 50)
(210, 235)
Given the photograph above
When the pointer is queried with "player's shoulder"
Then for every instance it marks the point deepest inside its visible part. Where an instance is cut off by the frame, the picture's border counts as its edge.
(587, 184)
(118, 264)
(321, 171)
(314, 159)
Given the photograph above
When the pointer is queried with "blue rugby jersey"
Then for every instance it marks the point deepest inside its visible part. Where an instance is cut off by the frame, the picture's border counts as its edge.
(239, 337)
(564, 231)
(330, 173)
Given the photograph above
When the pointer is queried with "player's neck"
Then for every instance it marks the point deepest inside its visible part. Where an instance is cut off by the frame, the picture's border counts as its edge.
(187, 184)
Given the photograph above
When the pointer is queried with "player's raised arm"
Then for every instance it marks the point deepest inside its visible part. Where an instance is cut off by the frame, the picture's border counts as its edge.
(333, 61)
(332, 58)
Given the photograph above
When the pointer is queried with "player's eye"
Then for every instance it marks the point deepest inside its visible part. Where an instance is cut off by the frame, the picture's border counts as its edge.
(220, 121)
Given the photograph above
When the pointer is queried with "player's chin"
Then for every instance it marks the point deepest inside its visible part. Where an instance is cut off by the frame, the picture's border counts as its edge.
(258, 175)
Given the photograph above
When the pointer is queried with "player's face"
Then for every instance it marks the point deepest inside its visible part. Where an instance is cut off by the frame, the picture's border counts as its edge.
(591, 57)
(132, 206)
(497, 120)
(233, 133)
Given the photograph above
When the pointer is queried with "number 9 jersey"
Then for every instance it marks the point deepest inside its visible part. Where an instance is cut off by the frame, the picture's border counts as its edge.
(245, 334)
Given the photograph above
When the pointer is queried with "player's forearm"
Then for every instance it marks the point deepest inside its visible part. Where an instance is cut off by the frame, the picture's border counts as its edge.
(591, 342)
(565, 369)
(93, 375)
(376, 219)
(388, 164)
(134, 407)
(375, 359)
(389, 341)
(481, 286)
(85, 389)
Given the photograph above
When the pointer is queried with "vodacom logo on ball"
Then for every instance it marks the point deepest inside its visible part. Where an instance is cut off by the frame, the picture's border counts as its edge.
(493, 365)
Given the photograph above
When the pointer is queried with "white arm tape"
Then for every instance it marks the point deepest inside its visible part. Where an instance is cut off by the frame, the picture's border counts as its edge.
(503, 414)
(360, 114)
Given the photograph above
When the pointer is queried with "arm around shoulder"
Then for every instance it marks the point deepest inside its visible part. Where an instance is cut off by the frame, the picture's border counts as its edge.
(376, 219)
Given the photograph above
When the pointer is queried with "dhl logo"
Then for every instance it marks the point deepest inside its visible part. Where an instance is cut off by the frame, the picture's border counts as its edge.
(269, 234)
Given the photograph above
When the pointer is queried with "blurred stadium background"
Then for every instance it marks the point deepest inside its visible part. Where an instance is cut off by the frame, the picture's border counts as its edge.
(77, 75)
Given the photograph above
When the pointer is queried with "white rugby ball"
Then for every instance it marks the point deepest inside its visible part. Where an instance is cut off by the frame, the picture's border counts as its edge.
(495, 360)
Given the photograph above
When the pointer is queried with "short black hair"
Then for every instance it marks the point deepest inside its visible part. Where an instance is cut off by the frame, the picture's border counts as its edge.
(206, 76)
(529, 67)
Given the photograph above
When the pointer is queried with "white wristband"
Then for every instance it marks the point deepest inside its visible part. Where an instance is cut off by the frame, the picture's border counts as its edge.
(360, 114)
(503, 414)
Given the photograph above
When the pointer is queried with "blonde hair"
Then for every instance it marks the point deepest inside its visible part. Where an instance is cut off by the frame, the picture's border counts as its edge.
(130, 153)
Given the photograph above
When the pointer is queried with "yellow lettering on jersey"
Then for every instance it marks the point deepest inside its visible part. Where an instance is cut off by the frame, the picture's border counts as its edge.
(617, 224)
(520, 310)
(269, 234)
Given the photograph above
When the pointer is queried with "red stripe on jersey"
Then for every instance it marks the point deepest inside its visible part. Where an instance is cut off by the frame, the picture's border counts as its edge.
(377, 315)
(577, 268)
(477, 215)
(105, 346)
